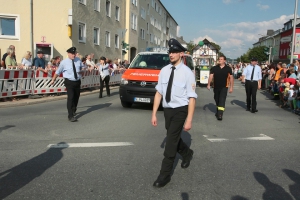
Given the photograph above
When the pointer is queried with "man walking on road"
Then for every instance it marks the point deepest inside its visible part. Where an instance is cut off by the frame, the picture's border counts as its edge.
(176, 86)
(222, 75)
(253, 76)
(71, 67)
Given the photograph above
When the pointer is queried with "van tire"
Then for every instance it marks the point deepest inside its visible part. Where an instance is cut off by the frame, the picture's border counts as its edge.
(126, 104)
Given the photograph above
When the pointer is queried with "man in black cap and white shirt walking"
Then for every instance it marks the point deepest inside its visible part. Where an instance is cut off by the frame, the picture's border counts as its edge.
(253, 76)
(71, 69)
(176, 88)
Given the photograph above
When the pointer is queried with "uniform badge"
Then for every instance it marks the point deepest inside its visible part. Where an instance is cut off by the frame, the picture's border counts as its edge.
(194, 86)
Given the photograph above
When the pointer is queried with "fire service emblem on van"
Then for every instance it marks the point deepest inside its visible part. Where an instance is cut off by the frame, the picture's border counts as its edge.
(143, 83)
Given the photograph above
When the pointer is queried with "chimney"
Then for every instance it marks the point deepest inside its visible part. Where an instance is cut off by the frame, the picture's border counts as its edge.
(270, 32)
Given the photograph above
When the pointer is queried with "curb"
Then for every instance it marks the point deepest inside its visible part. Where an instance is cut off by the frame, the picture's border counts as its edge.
(28, 101)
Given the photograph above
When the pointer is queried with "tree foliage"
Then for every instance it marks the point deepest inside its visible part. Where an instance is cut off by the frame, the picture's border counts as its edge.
(257, 52)
(190, 46)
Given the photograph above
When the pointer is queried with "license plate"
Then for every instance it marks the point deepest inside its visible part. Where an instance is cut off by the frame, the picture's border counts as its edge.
(144, 100)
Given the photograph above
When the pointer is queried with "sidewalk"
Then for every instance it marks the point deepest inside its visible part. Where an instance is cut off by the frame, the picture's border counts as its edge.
(27, 101)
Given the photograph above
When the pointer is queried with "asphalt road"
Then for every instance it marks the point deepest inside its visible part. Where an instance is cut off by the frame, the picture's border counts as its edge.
(238, 166)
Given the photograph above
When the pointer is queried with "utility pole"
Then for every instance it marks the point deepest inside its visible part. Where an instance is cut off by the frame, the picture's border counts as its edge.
(294, 28)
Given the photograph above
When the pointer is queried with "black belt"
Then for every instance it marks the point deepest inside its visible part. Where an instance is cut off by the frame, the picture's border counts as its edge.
(70, 80)
(252, 80)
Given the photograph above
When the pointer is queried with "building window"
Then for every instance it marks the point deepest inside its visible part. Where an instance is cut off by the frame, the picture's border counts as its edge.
(116, 41)
(82, 32)
(142, 34)
(147, 27)
(133, 21)
(9, 27)
(117, 13)
(96, 35)
(153, 1)
(97, 5)
(143, 13)
(134, 2)
(108, 4)
(107, 39)
(82, 2)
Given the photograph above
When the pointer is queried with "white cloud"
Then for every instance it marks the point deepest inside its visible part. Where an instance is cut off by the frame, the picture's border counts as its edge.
(243, 34)
(263, 7)
(196, 40)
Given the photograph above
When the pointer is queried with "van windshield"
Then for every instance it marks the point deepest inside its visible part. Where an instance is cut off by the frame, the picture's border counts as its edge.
(150, 61)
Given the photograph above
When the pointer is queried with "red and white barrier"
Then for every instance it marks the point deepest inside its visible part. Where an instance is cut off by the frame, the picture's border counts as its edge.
(26, 82)
(15, 82)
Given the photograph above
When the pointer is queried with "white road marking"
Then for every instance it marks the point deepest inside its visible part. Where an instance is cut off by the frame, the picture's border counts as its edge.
(262, 137)
(106, 144)
(217, 139)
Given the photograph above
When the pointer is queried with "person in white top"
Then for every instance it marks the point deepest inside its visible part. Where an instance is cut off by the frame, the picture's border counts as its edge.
(103, 68)
(90, 63)
(27, 61)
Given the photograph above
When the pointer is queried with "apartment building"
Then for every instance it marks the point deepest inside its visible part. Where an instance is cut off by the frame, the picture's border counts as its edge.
(92, 26)
(150, 25)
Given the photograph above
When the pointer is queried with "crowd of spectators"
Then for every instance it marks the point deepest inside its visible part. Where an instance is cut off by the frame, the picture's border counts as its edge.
(9, 62)
(281, 80)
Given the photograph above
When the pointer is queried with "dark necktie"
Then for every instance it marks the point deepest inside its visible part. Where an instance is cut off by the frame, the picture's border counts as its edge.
(169, 88)
(74, 70)
(252, 73)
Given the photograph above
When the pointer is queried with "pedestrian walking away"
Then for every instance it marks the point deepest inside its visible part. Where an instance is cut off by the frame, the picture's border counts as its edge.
(222, 76)
(103, 68)
(253, 76)
(176, 88)
(71, 68)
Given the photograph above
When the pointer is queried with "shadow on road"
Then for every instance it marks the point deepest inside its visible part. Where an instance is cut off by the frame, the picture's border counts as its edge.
(238, 198)
(272, 190)
(185, 196)
(239, 103)
(6, 127)
(93, 108)
(211, 107)
(17, 177)
(295, 188)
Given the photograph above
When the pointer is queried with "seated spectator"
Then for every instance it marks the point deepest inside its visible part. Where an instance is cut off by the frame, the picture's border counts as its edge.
(27, 61)
(292, 72)
(285, 94)
(291, 96)
(10, 61)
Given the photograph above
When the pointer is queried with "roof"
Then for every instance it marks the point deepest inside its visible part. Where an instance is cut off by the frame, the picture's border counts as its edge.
(206, 41)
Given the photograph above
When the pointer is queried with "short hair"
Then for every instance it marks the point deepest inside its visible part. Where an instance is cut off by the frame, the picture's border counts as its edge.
(292, 70)
(283, 65)
(292, 65)
(11, 47)
(57, 57)
(223, 57)
(83, 59)
(27, 55)
(280, 63)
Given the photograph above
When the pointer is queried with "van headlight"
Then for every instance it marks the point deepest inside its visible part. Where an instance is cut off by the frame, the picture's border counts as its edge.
(124, 81)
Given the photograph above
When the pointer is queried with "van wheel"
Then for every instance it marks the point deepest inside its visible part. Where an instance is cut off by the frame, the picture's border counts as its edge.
(126, 104)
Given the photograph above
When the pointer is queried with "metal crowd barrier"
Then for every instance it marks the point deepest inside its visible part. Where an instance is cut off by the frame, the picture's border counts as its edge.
(27, 82)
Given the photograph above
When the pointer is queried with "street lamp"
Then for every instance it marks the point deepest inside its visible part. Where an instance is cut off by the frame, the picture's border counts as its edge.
(271, 47)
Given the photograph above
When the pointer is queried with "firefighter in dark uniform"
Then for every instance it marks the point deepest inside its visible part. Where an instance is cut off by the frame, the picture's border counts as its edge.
(176, 87)
(71, 69)
(222, 75)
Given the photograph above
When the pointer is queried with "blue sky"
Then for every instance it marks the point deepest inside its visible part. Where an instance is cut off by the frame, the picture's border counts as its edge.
(233, 24)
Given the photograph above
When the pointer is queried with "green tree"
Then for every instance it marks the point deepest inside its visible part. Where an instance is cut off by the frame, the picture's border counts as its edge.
(259, 53)
(190, 46)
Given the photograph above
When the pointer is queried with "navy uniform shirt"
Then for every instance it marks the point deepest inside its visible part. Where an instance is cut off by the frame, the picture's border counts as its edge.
(66, 67)
(248, 72)
(183, 86)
